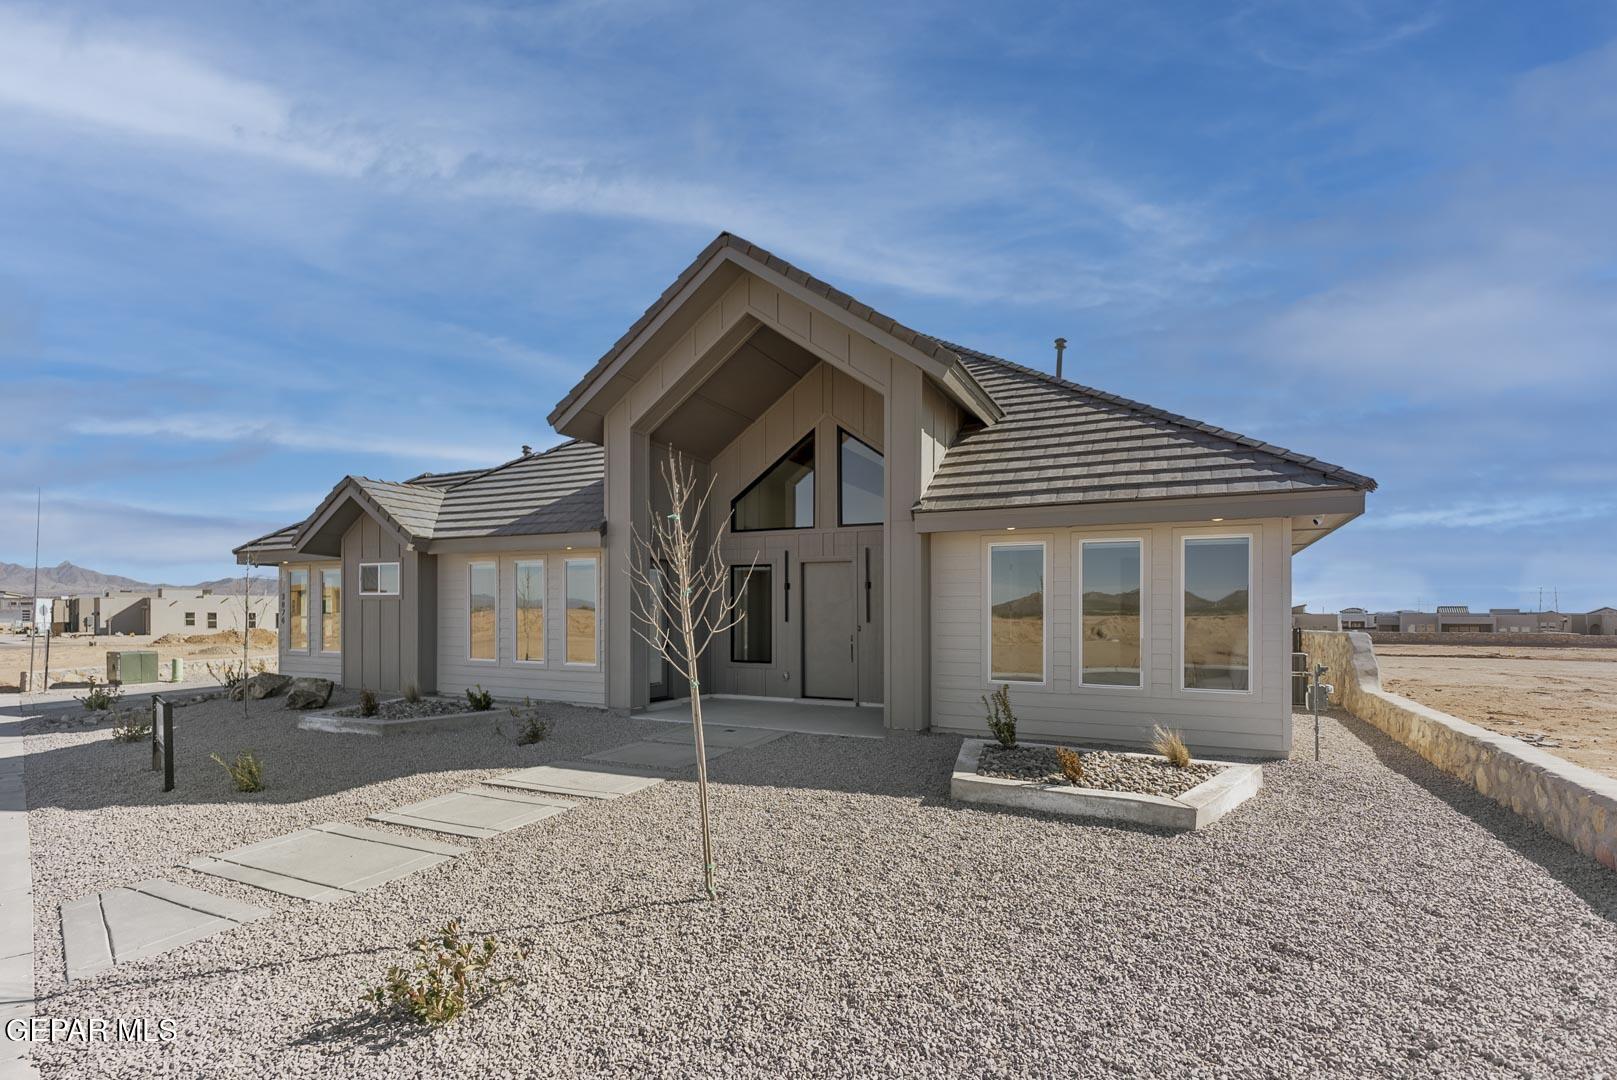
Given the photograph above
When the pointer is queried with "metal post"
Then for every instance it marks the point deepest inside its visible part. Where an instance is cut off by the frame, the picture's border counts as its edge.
(1313, 702)
(163, 740)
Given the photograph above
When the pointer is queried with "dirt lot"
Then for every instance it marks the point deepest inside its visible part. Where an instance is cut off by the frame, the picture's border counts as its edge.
(76, 656)
(1567, 696)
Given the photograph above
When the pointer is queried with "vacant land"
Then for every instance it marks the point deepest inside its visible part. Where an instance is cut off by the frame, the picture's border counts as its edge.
(74, 657)
(1565, 698)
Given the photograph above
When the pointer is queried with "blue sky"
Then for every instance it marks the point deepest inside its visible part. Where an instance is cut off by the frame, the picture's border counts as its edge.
(246, 249)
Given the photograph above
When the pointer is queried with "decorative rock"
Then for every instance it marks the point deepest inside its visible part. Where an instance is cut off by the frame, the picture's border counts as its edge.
(308, 693)
(267, 684)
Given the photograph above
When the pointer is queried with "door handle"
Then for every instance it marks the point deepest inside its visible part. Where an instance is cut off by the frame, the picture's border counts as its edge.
(850, 646)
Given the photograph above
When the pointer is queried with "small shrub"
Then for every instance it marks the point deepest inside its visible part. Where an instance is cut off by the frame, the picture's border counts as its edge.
(232, 673)
(132, 729)
(534, 727)
(1171, 745)
(1001, 721)
(412, 694)
(367, 703)
(101, 698)
(449, 976)
(479, 699)
(1072, 765)
(245, 772)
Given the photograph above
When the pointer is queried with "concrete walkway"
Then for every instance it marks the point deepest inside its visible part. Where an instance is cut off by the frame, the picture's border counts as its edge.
(16, 903)
(799, 717)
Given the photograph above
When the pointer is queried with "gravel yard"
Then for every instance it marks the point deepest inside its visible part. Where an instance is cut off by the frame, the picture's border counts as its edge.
(1102, 770)
(400, 709)
(1360, 917)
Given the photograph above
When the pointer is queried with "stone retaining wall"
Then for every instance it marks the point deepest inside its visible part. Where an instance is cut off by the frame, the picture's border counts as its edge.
(1544, 641)
(1577, 805)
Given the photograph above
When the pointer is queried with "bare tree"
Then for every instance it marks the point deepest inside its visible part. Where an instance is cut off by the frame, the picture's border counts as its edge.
(681, 603)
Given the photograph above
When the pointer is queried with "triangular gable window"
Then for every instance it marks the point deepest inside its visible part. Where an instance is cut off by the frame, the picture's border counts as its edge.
(783, 497)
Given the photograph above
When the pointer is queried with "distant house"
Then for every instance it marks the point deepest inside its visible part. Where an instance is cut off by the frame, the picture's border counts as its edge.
(162, 611)
(928, 522)
(1303, 619)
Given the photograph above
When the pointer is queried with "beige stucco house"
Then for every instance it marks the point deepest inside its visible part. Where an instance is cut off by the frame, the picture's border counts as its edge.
(928, 522)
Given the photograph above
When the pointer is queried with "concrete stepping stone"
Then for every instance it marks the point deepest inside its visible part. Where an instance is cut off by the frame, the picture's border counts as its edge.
(714, 735)
(474, 812)
(584, 780)
(119, 925)
(656, 755)
(327, 862)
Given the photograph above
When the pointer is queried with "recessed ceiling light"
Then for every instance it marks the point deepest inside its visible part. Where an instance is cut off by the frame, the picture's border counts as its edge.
(1218, 519)
(1010, 528)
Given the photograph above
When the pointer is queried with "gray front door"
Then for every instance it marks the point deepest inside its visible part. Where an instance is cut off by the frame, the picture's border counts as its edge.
(828, 630)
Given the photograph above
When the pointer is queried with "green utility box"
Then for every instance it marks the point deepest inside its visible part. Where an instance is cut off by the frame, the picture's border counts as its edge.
(135, 666)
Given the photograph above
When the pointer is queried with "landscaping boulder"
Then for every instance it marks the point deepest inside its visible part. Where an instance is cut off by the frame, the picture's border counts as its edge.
(264, 684)
(308, 693)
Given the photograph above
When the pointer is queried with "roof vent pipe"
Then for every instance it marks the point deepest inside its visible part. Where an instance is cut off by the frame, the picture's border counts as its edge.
(526, 449)
(1061, 347)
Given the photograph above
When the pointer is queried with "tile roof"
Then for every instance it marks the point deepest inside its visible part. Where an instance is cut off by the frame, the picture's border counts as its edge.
(1062, 443)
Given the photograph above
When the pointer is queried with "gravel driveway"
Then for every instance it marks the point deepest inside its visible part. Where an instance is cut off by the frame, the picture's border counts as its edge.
(1361, 917)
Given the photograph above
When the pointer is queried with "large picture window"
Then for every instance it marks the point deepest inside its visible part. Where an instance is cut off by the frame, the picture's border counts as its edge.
(1111, 632)
(1016, 612)
(583, 624)
(482, 616)
(379, 579)
(859, 474)
(783, 497)
(331, 610)
(752, 638)
(297, 610)
(530, 611)
(1217, 641)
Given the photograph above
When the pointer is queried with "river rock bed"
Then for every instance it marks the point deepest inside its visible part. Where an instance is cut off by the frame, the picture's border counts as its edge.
(400, 709)
(1102, 769)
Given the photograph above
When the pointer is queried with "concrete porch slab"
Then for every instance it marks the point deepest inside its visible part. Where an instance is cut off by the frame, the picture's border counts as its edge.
(656, 755)
(327, 862)
(801, 717)
(585, 780)
(477, 813)
(731, 738)
(119, 925)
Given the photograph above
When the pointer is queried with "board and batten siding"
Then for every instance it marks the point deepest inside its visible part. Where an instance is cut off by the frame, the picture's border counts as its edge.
(315, 662)
(507, 678)
(1060, 710)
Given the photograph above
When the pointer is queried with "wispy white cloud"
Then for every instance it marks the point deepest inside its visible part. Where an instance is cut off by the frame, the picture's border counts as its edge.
(1496, 513)
(377, 435)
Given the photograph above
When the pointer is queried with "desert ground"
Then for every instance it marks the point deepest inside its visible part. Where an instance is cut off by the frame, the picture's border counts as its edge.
(74, 657)
(1562, 698)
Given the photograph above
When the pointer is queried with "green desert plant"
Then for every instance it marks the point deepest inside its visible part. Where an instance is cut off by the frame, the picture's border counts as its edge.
(479, 699)
(449, 976)
(534, 727)
(367, 703)
(1072, 765)
(132, 728)
(1171, 745)
(1001, 721)
(245, 772)
(412, 694)
(100, 698)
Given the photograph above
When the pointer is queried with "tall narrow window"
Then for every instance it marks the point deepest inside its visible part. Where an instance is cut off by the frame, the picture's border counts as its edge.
(1016, 612)
(752, 638)
(530, 611)
(1109, 645)
(1217, 611)
(482, 586)
(297, 610)
(859, 474)
(331, 610)
(583, 624)
(783, 497)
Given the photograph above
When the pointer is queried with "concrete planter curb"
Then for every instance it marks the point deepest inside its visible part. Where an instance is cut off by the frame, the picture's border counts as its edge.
(1575, 804)
(1195, 809)
(377, 726)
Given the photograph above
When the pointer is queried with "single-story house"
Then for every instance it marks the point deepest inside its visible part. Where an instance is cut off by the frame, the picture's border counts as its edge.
(928, 522)
(160, 611)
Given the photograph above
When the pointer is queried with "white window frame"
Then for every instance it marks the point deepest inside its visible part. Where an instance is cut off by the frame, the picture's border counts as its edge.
(1043, 544)
(516, 611)
(380, 591)
(472, 565)
(324, 651)
(1078, 612)
(308, 611)
(1251, 538)
(565, 608)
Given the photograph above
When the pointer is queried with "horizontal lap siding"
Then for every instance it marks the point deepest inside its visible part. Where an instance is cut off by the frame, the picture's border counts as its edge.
(506, 678)
(1062, 711)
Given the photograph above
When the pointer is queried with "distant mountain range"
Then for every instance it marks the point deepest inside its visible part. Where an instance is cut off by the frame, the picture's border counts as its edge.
(66, 579)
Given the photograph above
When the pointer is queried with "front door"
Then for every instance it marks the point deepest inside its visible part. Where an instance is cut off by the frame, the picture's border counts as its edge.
(828, 630)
